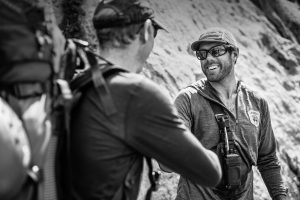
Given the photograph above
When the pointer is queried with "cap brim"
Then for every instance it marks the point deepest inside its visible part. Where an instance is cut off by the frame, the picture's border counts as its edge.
(160, 25)
(195, 45)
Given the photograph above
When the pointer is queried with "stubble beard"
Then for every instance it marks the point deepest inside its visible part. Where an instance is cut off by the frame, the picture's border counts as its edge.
(223, 72)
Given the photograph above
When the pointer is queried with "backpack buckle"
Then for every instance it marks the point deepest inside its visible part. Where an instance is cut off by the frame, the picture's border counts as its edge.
(35, 173)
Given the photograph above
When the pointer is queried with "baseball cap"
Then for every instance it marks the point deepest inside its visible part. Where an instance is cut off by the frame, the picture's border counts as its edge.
(215, 34)
(120, 13)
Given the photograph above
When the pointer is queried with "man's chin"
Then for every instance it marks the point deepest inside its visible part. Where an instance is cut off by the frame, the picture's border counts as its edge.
(213, 79)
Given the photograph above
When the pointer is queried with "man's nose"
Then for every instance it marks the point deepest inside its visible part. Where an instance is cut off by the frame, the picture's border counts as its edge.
(209, 57)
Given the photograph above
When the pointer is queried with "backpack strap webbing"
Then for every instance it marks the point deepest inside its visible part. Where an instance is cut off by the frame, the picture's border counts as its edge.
(218, 110)
(103, 91)
(77, 86)
(98, 77)
(47, 190)
(154, 177)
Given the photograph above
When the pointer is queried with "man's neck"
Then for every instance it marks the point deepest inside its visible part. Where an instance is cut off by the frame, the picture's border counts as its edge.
(123, 58)
(226, 88)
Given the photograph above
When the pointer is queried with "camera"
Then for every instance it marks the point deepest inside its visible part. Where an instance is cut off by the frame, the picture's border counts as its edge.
(230, 159)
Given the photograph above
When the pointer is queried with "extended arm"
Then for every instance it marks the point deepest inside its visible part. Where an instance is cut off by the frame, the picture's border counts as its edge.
(157, 131)
(182, 105)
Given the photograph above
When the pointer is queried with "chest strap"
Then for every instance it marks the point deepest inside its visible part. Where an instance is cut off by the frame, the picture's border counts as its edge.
(228, 155)
(223, 123)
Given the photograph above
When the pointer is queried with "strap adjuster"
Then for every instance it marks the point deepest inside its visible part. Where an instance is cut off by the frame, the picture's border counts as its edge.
(35, 173)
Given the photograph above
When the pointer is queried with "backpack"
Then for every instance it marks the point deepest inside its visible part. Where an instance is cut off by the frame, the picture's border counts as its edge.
(87, 73)
(28, 66)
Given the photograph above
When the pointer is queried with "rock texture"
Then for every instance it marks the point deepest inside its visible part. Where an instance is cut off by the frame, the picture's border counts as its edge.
(268, 33)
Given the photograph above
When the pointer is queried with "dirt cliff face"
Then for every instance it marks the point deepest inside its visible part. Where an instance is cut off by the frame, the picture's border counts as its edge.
(268, 37)
(267, 34)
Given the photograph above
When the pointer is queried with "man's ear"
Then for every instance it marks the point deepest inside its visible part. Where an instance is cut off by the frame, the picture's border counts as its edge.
(235, 54)
(146, 31)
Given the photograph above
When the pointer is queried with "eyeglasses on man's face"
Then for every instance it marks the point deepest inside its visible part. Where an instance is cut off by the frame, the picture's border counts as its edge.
(215, 51)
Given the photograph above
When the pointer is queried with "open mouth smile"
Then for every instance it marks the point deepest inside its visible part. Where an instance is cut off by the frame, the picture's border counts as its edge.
(212, 67)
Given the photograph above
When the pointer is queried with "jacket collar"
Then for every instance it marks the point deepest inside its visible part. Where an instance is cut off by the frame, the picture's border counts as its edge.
(206, 89)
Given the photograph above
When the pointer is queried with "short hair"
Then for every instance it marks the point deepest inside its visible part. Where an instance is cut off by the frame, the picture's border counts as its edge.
(108, 37)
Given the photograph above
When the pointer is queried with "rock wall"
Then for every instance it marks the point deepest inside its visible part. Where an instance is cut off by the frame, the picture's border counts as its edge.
(268, 35)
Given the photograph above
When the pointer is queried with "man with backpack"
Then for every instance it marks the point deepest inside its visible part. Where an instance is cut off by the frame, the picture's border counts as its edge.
(123, 116)
(231, 120)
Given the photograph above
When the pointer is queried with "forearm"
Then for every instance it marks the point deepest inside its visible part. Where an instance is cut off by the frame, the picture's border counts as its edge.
(200, 166)
(268, 163)
(183, 154)
(156, 131)
(273, 180)
(192, 161)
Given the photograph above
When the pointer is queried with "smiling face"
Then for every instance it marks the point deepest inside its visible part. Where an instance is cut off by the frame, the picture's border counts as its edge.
(217, 68)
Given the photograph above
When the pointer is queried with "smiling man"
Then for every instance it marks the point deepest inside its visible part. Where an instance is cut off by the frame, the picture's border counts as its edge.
(231, 120)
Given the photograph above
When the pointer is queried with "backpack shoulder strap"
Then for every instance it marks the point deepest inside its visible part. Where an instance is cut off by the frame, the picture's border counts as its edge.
(97, 76)
(154, 177)
(84, 79)
(217, 109)
(220, 117)
(219, 112)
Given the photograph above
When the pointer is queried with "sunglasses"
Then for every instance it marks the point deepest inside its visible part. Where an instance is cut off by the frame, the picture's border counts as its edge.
(215, 51)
